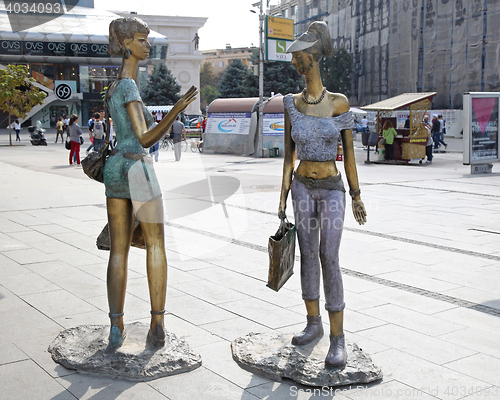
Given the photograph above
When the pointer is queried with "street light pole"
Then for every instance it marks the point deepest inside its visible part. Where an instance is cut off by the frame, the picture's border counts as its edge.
(261, 82)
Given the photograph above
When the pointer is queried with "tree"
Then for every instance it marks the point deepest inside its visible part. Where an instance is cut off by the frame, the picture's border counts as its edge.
(207, 75)
(231, 84)
(337, 71)
(279, 77)
(208, 94)
(17, 94)
(208, 85)
(162, 88)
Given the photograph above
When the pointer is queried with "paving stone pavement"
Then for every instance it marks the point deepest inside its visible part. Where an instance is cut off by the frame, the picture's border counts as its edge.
(421, 277)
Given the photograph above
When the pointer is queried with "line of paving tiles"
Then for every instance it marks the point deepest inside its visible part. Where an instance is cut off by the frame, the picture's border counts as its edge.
(385, 282)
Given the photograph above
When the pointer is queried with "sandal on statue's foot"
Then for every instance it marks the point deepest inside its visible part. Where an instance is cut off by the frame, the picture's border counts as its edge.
(337, 355)
(116, 336)
(157, 337)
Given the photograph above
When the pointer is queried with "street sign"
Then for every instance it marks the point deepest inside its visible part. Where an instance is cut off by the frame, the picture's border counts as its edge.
(276, 50)
(279, 28)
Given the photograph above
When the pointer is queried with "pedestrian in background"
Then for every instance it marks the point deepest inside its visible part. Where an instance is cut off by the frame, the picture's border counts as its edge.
(59, 129)
(97, 130)
(91, 138)
(389, 133)
(442, 130)
(74, 132)
(17, 128)
(177, 131)
(155, 149)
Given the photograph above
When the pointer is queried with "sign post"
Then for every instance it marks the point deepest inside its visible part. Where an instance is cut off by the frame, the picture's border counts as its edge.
(279, 37)
(481, 118)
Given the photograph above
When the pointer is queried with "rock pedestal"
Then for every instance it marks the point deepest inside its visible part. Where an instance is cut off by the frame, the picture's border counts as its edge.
(85, 349)
(273, 356)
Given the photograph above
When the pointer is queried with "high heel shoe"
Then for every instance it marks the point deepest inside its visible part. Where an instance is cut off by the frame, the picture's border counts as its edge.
(337, 355)
(157, 337)
(116, 336)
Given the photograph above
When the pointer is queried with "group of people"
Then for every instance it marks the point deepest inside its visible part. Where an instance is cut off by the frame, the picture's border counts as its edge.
(177, 133)
(435, 136)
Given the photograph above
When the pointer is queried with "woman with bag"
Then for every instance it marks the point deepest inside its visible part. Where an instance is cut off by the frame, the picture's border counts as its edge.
(75, 136)
(314, 120)
(130, 180)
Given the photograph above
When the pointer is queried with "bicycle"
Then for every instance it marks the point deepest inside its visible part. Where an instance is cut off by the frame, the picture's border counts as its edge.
(196, 146)
(167, 143)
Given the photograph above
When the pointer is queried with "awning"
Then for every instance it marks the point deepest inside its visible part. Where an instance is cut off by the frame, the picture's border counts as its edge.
(159, 108)
(401, 101)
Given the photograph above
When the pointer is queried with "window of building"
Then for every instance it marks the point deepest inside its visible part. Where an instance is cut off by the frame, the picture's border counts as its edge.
(93, 79)
(294, 9)
(285, 13)
(212, 64)
(221, 64)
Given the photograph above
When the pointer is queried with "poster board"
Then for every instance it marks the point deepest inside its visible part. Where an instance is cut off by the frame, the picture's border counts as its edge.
(481, 117)
(229, 123)
(274, 124)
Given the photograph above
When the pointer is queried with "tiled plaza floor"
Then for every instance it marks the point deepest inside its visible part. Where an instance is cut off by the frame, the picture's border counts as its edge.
(421, 278)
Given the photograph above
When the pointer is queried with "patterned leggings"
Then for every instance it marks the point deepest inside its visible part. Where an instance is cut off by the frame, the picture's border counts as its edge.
(319, 219)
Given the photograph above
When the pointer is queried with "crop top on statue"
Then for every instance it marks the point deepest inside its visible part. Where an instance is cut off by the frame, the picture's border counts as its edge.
(316, 137)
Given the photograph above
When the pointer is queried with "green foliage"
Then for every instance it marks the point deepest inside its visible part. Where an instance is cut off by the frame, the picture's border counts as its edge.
(337, 72)
(162, 88)
(17, 94)
(281, 77)
(207, 75)
(231, 84)
(209, 93)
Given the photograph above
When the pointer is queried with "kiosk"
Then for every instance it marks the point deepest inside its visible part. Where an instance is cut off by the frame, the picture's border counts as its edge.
(410, 143)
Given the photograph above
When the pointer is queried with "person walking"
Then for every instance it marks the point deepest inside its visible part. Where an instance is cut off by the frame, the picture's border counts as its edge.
(155, 149)
(91, 138)
(75, 132)
(178, 131)
(59, 129)
(442, 130)
(436, 132)
(97, 130)
(428, 146)
(17, 128)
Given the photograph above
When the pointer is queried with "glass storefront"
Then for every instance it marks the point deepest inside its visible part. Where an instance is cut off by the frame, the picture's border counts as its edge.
(93, 79)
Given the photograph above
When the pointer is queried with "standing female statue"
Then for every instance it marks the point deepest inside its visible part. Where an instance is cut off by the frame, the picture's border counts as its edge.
(314, 120)
(130, 180)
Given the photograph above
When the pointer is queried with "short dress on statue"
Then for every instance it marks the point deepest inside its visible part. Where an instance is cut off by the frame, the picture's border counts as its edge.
(129, 172)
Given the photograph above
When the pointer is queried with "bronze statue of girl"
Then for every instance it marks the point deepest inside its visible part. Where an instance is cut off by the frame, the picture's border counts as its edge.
(130, 180)
(314, 119)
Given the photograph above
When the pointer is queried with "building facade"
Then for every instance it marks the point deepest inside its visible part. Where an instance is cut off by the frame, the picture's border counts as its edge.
(221, 58)
(182, 58)
(71, 51)
(399, 46)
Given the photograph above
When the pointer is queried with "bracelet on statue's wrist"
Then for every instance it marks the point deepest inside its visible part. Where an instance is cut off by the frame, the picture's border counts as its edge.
(354, 193)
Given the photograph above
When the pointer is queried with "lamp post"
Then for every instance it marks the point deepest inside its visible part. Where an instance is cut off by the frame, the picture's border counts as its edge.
(260, 128)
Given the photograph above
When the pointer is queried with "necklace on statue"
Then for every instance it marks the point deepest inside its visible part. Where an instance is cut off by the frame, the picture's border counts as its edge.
(316, 101)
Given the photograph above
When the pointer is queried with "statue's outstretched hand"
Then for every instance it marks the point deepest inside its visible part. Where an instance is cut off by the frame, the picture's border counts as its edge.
(359, 211)
(186, 100)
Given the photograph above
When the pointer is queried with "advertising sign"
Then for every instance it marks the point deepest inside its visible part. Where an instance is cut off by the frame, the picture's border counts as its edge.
(276, 50)
(56, 49)
(274, 124)
(481, 114)
(229, 123)
(279, 28)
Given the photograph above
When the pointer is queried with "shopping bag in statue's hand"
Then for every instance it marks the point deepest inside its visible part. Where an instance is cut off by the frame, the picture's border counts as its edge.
(104, 241)
(93, 164)
(281, 255)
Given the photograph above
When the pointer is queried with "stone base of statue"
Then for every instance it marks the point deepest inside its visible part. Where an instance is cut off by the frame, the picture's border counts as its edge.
(274, 356)
(85, 349)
